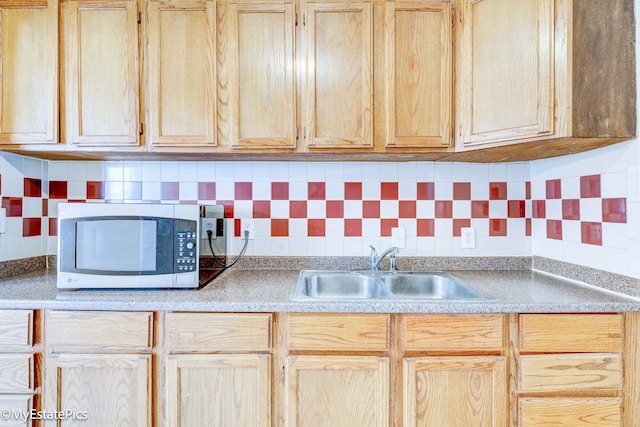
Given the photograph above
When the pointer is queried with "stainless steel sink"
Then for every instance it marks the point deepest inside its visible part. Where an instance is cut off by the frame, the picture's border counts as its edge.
(382, 285)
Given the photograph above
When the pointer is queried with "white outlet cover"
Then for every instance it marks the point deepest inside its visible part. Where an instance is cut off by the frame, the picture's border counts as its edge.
(398, 238)
(467, 238)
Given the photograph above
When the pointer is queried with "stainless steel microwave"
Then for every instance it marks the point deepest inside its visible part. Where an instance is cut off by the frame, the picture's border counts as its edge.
(133, 245)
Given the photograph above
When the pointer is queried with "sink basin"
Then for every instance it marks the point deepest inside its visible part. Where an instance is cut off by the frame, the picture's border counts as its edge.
(382, 285)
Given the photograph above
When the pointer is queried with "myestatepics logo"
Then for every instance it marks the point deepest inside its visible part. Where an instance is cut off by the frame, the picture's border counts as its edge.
(34, 414)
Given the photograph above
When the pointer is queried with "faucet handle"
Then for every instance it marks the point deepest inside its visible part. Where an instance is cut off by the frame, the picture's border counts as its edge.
(373, 257)
(392, 261)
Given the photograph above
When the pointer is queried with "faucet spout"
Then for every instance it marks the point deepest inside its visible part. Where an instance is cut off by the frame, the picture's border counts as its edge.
(375, 263)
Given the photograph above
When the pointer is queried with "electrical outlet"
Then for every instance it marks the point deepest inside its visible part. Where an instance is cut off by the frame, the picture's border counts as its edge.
(468, 240)
(246, 224)
(3, 220)
(206, 225)
(398, 238)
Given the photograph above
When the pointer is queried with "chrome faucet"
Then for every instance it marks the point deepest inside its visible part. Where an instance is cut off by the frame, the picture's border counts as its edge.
(375, 261)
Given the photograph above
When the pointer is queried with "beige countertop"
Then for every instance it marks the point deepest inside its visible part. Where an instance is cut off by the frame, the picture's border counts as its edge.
(268, 290)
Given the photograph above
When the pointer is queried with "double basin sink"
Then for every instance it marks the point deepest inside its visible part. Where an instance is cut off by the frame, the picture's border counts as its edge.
(383, 285)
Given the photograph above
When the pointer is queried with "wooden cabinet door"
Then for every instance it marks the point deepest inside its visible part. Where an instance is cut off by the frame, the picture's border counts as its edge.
(112, 390)
(256, 84)
(570, 412)
(455, 391)
(337, 98)
(337, 391)
(505, 71)
(181, 73)
(100, 67)
(418, 49)
(218, 390)
(28, 71)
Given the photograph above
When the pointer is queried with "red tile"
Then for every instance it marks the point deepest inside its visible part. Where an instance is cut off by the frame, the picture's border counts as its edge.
(53, 226)
(497, 227)
(316, 228)
(353, 191)
(554, 229)
(371, 209)
(206, 190)
(444, 209)
(554, 189)
(132, 190)
(589, 186)
(262, 209)
(280, 228)
(389, 191)
(480, 209)
(298, 209)
(498, 191)
(32, 187)
(527, 226)
(317, 191)
(170, 191)
(386, 225)
(228, 208)
(353, 228)
(243, 191)
(614, 210)
(539, 209)
(279, 191)
(335, 209)
(13, 205)
(591, 233)
(425, 227)
(237, 224)
(571, 209)
(31, 227)
(57, 189)
(426, 191)
(461, 191)
(527, 189)
(458, 224)
(45, 207)
(407, 209)
(516, 209)
(95, 190)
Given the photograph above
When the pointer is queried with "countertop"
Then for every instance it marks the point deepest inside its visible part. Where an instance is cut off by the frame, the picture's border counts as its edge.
(268, 290)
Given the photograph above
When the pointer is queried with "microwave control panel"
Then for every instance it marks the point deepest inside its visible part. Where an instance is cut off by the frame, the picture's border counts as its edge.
(186, 250)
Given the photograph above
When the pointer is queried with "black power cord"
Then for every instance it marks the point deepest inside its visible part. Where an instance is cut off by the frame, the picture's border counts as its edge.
(215, 257)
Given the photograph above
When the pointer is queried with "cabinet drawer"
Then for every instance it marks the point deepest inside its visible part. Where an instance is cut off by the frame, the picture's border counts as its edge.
(570, 372)
(16, 373)
(575, 412)
(102, 330)
(453, 333)
(339, 332)
(17, 404)
(17, 327)
(571, 333)
(205, 332)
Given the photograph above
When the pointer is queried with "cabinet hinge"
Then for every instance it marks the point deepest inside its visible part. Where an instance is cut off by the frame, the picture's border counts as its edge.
(304, 20)
(282, 375)
(297, 133)
(139, 18)
(304, 133)
(140, 128)
(296, 19)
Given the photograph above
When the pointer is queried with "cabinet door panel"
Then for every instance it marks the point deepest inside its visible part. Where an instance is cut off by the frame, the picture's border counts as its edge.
(222, 390)
(455, 392)
(505, 84)
(418, 73)
(337, 391)
(256, 86)
(181, 73)
(17, 405)
(570, 412)
(113, 390)
(338, 94)
(28, 71)
(101, 95)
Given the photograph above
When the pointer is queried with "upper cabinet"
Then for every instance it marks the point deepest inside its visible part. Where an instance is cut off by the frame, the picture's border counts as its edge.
(100, 79)
(28, 71)
(180, 75)
(418, 74)
(537, 70)
(256, 96)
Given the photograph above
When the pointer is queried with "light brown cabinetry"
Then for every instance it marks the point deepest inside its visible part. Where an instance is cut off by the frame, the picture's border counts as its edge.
(29, 63)
(531, 71)
(100, 99)
(98, 364)
(570, 370)
(19, 363)
(217, 369)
